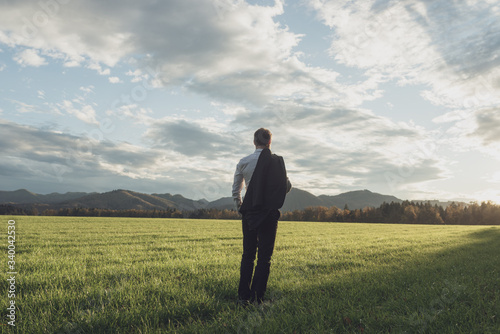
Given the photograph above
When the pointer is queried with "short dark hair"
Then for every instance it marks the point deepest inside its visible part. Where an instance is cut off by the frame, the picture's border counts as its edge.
(262, 137)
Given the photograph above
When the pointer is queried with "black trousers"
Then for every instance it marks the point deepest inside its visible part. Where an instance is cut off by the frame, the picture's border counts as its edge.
(262, 239)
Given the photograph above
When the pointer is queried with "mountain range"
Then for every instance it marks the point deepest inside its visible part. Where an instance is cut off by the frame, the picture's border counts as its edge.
(126, 199)
(296, 199)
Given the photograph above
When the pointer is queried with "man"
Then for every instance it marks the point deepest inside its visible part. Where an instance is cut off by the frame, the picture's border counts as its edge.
(266, 187)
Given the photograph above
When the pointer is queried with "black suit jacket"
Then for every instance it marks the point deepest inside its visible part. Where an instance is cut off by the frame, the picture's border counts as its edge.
(267, 189)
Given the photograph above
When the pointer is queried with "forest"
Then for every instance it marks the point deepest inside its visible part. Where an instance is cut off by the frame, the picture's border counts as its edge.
(407, 212)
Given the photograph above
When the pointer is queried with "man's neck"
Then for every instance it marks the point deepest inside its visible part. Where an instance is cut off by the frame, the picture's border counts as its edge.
(261, 147)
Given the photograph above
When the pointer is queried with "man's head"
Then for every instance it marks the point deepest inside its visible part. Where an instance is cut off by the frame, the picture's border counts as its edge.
(262, 138)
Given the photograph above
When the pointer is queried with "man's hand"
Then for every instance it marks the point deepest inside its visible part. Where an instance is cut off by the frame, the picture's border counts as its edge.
(237, 204)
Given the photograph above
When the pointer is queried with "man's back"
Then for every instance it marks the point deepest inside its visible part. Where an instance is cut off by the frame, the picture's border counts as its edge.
(268, 188)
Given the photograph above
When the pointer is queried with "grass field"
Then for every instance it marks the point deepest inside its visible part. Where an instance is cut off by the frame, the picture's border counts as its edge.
(126, 275)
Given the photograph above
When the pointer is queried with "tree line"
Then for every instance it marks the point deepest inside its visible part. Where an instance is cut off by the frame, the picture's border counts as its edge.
(98, 212)
(406, 212)
(485, 213)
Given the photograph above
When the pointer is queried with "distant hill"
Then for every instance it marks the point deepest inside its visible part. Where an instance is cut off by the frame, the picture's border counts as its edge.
(23, 196)
(296, 199)
(183, 203)
(121, 200)
(224, 203)
(57, 198)
(299, 199)
(19, 196)
(358, 199)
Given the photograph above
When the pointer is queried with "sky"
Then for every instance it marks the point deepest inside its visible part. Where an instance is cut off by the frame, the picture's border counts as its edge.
(397, 97)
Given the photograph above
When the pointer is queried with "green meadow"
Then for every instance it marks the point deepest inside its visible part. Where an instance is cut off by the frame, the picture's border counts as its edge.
(136, 275)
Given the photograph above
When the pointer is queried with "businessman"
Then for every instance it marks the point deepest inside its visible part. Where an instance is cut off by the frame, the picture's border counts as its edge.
(266, 182)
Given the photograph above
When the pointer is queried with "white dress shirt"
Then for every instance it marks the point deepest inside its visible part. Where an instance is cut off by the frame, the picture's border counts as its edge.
(244, 172)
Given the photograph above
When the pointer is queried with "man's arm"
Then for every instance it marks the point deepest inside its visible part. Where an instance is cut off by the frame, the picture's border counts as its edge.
(237, 186)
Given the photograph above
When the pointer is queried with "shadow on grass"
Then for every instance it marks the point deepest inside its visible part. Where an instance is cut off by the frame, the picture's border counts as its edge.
(456, 290)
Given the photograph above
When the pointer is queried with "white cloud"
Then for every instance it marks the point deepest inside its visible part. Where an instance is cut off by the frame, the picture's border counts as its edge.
(134, 112)
(98, 68)
(72, 63)
(495, 178)
(229, 50)
(2, 67)
(488, 125)
(472, 131)
(137, 75)
(72, 28)
(192, 138)
(129, 27)
(23, 107)
(88, 89)
(451, 48)
(86, 113)
(114, 80)
(30, 57)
